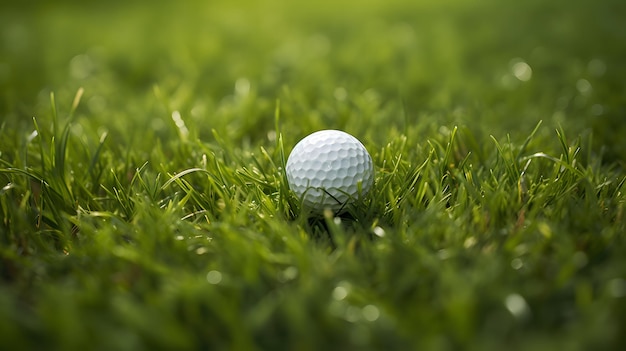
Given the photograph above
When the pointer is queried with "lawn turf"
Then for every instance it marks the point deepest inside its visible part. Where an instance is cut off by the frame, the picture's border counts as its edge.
(143, 203)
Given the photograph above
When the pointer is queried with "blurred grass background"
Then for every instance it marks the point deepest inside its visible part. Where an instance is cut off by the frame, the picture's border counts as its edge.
(491, 65)
(400, 75)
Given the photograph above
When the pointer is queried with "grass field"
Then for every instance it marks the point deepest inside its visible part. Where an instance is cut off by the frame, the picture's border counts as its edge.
(144, 205)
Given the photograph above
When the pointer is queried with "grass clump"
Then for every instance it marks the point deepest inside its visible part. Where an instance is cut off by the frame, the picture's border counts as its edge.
(144, 205)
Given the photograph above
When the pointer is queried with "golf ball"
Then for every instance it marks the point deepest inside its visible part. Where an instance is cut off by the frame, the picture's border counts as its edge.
(329, 169)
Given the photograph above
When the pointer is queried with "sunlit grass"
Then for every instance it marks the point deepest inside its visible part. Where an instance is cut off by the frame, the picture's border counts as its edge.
(144, 205)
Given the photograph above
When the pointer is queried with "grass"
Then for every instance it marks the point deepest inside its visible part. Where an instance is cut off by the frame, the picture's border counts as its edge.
(143, 203)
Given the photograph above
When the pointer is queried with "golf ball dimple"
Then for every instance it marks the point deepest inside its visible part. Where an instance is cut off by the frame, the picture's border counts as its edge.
(328, 168)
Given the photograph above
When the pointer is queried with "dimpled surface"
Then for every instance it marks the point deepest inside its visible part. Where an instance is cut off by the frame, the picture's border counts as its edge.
(326, 167)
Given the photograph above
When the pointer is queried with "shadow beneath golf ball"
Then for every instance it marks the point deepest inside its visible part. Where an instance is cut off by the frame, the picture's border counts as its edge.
(333, 229)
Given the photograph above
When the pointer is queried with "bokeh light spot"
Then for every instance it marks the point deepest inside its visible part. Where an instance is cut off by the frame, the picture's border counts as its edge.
(242, 87)
(340, 93)
(517, 263)
(370, 313)
(340, 293)
(517, 305)
(583, 86)
(522, 71)
(214, 277)
(596, 67)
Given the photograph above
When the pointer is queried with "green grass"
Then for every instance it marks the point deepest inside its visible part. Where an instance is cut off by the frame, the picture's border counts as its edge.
(144, 205)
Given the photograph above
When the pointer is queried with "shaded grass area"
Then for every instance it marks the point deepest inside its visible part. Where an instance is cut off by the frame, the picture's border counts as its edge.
(144, 204)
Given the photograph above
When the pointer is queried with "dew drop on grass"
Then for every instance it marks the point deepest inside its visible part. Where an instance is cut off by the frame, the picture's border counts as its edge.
(6, 188)
(180, 124)
(32, 136)
(102, 132)
(380, 232)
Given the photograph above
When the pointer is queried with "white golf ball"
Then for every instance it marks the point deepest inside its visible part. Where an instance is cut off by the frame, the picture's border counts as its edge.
(329, 169)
